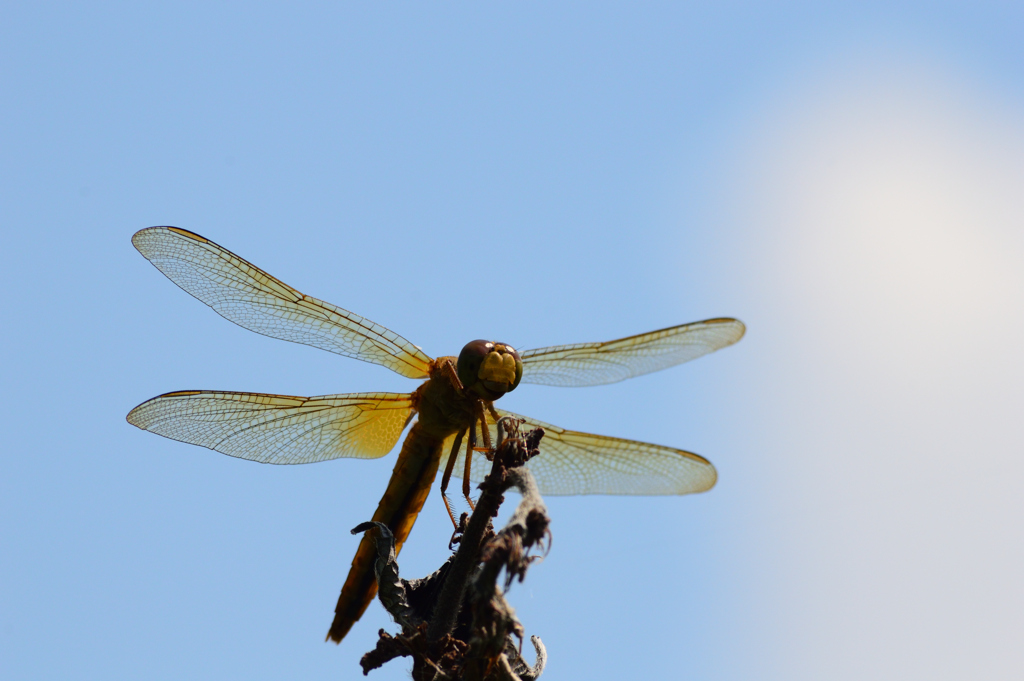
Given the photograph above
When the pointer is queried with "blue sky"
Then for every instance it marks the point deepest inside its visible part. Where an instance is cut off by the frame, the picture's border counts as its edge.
(846, 180)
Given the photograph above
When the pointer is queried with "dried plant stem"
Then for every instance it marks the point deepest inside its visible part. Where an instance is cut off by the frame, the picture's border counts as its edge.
(456, 623)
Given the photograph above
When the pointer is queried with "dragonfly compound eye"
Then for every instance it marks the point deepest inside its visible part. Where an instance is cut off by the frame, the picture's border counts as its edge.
(489, 369)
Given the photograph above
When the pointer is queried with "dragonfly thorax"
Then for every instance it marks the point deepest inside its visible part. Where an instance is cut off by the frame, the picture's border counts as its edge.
(489, 369)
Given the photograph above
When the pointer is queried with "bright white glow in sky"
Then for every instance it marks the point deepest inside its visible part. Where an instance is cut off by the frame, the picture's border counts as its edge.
(893, 224)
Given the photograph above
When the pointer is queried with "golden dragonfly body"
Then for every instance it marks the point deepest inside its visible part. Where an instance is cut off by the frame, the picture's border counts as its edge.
(456, 397)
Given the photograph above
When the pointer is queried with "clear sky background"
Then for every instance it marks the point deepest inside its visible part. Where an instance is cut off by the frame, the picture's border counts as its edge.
(847, 181)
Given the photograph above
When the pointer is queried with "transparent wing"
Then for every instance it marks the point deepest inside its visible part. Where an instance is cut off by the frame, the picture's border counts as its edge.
(278, 428)
(571, 463)
(583, 364)
(246, 295)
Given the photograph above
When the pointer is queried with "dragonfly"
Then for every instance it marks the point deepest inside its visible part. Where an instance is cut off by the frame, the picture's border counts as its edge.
(454, 403)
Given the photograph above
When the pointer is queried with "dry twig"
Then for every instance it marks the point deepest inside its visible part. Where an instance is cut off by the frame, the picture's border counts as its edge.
(456, 623)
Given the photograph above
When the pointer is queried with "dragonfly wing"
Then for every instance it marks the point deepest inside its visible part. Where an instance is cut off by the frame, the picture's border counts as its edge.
(246, 295)
(279, 428)
(573, 463)
(584, 364)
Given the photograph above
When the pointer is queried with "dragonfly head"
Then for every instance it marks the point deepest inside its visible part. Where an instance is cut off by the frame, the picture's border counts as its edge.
(489, 369)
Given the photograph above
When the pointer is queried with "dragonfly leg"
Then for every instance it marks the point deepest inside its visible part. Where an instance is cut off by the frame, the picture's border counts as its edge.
(470, 448)
(483, 425)
(488, 448)
(492, 411)
(453, 375)
(454, 454)
(458, 531)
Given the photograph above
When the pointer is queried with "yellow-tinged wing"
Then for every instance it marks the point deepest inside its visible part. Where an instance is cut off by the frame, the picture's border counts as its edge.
(279, 428)
(571, 462)
(583, 364)
(246, 295)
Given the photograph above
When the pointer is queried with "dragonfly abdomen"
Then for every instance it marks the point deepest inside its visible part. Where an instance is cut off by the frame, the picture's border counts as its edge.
(407, 490)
